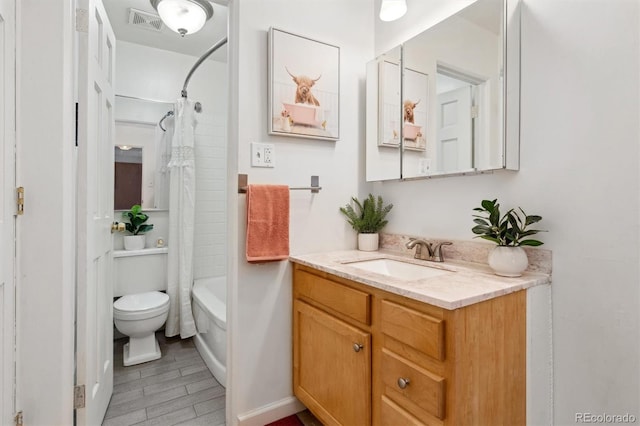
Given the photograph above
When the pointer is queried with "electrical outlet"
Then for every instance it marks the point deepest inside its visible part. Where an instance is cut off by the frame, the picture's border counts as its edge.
(262, 155)
(424, 165)
(268, 155)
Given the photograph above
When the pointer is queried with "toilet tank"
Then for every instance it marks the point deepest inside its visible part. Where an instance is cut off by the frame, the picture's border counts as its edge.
(139, 271)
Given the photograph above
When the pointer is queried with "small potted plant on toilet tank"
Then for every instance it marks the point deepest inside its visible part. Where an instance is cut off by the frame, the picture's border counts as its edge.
(368, 218)
(136, 227)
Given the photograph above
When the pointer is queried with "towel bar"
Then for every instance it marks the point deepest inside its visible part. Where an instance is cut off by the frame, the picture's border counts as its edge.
(243, 181)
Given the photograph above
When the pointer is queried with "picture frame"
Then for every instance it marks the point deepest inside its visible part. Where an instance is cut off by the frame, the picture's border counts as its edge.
(416, 91)
(304, 87)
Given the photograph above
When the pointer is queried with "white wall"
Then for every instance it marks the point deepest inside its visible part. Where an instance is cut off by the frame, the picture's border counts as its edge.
(159, 74)
(579, 170)
(421, 14)
(260, 296)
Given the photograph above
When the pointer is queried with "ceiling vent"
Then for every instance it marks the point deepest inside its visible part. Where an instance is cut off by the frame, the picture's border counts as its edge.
(146, 20)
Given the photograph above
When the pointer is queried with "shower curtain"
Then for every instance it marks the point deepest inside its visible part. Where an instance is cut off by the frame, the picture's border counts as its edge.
(163, 156)
(181, 222)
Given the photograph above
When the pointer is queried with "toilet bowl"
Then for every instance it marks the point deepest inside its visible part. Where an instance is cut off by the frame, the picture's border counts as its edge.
(139, 316)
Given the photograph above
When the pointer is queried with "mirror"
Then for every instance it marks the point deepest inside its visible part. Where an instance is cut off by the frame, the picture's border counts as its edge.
(384, 116)
(141, 154)
(458, 102)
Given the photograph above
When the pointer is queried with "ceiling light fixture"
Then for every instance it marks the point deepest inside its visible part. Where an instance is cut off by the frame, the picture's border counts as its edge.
(390, 10)
(125, 147)
(183, 16)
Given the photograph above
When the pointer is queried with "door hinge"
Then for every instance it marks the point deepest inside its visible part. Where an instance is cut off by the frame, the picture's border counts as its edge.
(78, 397)
(20, 200)
(475, 111)
(18, 419)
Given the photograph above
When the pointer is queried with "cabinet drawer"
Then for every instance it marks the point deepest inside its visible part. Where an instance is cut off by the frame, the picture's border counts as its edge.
(424, 389)
(416, 329)
(353, 303)
(392, 415)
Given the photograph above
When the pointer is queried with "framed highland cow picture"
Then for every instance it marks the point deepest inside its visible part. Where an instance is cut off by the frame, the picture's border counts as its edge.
(304, 87)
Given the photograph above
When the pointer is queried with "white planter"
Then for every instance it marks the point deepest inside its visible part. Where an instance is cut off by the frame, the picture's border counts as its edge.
(134, 242)
(368, 242)
(508, 261)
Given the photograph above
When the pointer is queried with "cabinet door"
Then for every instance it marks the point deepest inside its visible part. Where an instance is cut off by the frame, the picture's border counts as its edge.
(332, 367)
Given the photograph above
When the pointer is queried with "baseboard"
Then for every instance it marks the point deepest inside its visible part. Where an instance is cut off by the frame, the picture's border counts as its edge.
(271, 412)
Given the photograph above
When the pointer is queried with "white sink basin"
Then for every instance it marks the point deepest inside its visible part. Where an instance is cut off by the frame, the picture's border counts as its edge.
(398, 269)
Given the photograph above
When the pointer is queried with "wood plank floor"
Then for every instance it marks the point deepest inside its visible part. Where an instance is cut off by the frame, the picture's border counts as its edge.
(177, 389)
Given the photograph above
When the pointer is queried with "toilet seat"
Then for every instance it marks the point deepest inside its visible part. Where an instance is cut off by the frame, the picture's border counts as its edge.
(140, 306)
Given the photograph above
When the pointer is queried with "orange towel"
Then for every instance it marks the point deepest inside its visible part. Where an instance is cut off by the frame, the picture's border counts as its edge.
(267, 223)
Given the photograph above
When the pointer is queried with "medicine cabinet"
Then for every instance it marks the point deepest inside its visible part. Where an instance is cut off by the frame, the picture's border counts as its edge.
(447, 101)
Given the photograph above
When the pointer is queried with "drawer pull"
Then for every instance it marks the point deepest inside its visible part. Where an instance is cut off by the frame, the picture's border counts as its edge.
(403, 383)
(357, 347)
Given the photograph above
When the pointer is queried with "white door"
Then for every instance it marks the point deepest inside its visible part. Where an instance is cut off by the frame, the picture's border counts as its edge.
(94, 304)
(7, 210)
(454, 130)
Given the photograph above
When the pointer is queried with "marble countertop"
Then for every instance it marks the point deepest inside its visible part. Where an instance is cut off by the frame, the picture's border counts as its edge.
(465, 283)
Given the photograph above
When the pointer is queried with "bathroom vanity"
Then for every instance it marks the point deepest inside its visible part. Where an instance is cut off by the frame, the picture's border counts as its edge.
(389, 347)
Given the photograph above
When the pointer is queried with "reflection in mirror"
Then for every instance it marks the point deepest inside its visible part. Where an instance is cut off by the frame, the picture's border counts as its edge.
(456, 133)
(462, 59)
(414, 109)
(128, 177)
(389, 102)
(460, 100)
(136, 126)
(383, 120)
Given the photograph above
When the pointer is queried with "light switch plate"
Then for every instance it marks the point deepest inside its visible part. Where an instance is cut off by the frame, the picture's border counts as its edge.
(262, 155)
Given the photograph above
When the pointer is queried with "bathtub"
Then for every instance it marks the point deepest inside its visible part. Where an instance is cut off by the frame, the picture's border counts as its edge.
(209, 303)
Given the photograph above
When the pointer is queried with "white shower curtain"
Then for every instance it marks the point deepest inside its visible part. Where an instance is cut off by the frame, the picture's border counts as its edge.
(181, 222)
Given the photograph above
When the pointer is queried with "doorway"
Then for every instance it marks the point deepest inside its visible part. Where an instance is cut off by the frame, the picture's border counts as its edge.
(151, 67)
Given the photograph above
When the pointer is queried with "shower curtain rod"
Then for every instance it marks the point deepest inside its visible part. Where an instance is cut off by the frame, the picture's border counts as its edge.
(144, 99)
(199, 62)
(197, 106)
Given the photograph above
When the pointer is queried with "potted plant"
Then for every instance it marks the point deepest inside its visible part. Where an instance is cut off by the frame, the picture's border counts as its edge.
(137, 227)
(510, 232)
(368, 218)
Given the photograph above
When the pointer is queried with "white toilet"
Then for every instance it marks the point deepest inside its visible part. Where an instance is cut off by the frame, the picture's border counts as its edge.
(140, 278)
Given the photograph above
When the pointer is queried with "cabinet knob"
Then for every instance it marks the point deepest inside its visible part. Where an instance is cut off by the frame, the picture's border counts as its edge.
(357, 347)
(403, 383)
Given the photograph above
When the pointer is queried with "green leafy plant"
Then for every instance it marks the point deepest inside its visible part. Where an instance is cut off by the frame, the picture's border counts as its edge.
(137, 219)
(368, 217)
(507, 230)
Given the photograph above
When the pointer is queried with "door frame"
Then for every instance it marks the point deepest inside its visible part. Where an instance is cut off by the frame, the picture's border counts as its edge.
(45, 234)
(8, 219)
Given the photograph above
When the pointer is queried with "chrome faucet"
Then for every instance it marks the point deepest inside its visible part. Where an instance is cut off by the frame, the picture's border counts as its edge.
(434, 251)
(418, 244)
(437, 251)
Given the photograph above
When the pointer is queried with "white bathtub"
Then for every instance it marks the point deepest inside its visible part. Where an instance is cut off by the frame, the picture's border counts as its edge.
(209, 305)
